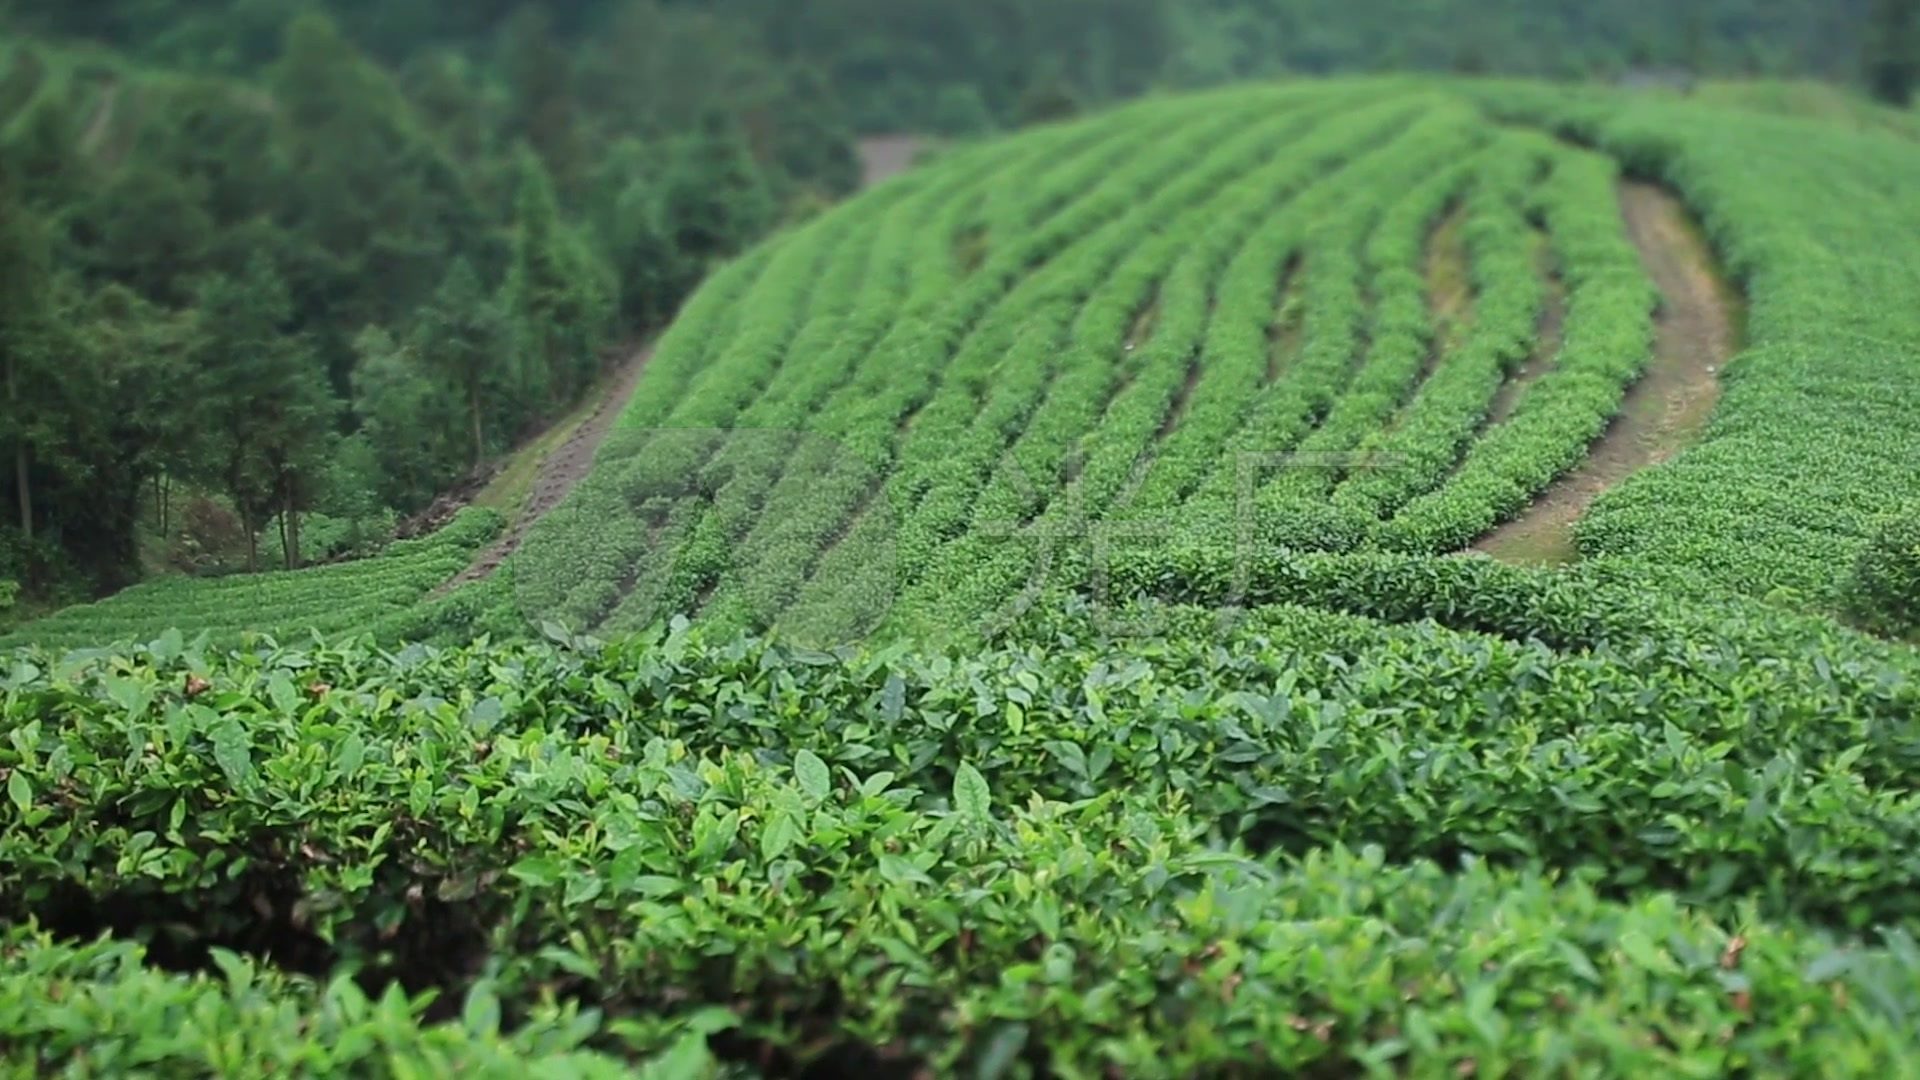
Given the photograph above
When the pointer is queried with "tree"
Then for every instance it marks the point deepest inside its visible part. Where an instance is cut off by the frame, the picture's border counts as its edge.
(558, 295)
(25, 287)
(458, 339)
(1893, 50)
(120, 348)
(371, 207)
(628, 214)
(407, 419)
(541, 80)
(262, 394)
(715, 197)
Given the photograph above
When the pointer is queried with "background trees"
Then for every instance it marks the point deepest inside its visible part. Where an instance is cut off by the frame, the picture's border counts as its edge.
(313, 262)
(1893, 50)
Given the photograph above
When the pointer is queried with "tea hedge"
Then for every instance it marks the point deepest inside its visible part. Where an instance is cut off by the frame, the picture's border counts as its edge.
(98, 1009)
(342, 598)
(1203, 857)
(1210, 310)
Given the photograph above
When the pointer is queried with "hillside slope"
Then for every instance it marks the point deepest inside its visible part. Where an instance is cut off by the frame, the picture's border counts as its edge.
(1360, 318)
(1218, 315)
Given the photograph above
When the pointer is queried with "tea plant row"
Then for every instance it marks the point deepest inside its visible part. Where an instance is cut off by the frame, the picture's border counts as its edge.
(1275, 848)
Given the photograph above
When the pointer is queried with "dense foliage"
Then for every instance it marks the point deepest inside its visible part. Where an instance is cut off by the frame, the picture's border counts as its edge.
(422, 228)
(349, 597)
(1304, 841)
(410, 266)
(1884, 589)
(916, 64)
(1310, 316)
(1313, 316)
(1189, 742)
(1815, 440)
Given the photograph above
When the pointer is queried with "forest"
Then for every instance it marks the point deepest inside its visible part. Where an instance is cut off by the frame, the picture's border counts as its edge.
(325, 260)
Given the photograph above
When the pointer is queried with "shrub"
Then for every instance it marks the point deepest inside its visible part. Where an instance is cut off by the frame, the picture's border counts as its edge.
(1883, 592)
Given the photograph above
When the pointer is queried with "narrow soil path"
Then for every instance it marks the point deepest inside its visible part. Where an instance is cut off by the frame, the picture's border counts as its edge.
(559, 471)
(1449, 275)
(883, 157)
(1548, 334)
(1287, 331)
(1668, 407)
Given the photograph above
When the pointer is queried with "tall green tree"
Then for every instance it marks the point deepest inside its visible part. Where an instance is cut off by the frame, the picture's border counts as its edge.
(118, 347)
(458, 339)
(715, 196)
(558, 296)
(372, 206)
(409, 423)
(541, 77)
(263, 397)
(1893, 50)
(25, 290)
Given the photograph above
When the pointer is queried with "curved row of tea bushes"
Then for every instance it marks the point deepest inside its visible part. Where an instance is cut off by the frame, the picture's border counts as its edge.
(981, 562)
(842, 521)
(972, 578)
(1818, 428)
(849, 520)
(338, 598)
(1608, 342)
(577, 558)
(1424, 441)
(1400, 342)
(1335, 299)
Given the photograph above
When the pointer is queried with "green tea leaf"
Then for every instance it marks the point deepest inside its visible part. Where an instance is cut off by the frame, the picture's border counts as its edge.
(281, 692)
(232, 751)
(971, 795)
(481, 1013)
(352, 753)
(539, 871)
(893, 699)
(781, 833)
(812, 774)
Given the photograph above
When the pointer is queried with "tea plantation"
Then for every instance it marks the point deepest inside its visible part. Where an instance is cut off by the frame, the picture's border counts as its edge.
(1029, 623)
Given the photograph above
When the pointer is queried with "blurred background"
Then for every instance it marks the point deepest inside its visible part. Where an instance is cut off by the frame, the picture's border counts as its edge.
(424, 231)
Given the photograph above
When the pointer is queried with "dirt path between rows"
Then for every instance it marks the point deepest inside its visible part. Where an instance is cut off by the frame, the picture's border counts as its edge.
(559, 471)
(881, 158)
(1549, 333)
(1668, 407)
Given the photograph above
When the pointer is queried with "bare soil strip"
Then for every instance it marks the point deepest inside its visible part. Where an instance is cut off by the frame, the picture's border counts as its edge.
(883, 157)
(1668, 407)
(560, 471)
(1449, 281)
(1287, 332)
(1548, 334)
(1144, 321)
(1182, 401)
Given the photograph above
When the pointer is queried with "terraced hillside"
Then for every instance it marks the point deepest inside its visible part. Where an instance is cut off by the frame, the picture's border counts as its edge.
(1194, 737)
(1349, 317)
